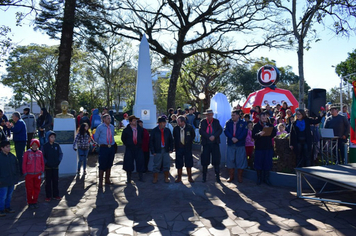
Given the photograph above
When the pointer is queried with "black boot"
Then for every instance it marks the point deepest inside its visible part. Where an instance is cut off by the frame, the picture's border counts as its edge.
(140, 176)
(128, 179)
(217, 173)
(259, 177)
(205, 170)
(266, 178)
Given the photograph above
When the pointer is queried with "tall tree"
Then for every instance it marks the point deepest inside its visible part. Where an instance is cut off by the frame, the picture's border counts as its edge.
(31, 71)
(303, 17)
(180, 29)
(65, 54)
(107, 57)
(204, 73)
(77, 14)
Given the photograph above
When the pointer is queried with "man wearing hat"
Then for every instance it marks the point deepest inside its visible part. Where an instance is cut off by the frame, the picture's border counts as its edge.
(104, 136)
(161, 144)
(132, 137)
(341, 127)
(30, 122)
(184, 135)
(210, 130)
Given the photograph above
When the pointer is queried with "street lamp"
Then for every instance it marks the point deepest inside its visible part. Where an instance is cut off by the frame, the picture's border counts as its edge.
(201, 98)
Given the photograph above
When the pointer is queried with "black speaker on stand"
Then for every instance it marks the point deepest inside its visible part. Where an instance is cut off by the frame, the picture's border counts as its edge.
(316, 100)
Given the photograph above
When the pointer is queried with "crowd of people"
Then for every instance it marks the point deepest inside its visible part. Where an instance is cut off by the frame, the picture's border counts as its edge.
(250, 144)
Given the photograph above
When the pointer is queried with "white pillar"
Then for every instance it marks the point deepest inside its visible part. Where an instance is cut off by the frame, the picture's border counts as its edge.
(144, 107)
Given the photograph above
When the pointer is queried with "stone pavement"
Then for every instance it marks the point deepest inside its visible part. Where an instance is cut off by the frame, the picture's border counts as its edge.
(174, 209)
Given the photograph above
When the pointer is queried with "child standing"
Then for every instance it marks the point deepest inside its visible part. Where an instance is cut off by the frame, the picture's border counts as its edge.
(81, 142)
(281, 129)
(249, 144)
(33, 168)
(52, 154)
(9, 175)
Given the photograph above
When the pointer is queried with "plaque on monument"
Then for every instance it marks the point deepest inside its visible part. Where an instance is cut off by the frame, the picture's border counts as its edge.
(65, 137)
(145, 114)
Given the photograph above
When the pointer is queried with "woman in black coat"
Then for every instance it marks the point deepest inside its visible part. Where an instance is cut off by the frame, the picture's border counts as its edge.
(300, 138)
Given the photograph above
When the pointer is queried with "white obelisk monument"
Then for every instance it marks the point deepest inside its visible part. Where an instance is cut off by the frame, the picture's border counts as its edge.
(144, 107)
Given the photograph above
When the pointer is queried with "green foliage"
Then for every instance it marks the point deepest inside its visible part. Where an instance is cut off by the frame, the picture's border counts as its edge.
(243, 80)
(117, 137)
(203, 73)
(31, 71)
(160, 87)
(87, 22)
(109, 59)
(348, 67)
(333, 96)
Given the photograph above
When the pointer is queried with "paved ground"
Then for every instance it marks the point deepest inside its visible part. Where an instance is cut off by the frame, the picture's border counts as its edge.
(174, 209)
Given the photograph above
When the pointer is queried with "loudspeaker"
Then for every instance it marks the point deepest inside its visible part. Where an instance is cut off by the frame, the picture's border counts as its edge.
(316, 100)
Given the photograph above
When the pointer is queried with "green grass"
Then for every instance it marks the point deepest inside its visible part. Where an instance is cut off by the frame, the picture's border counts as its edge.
(117, 137)
(12, 147)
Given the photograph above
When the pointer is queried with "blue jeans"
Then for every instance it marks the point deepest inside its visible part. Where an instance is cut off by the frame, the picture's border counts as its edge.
(5, 197)
(83, 154)
(43, 140)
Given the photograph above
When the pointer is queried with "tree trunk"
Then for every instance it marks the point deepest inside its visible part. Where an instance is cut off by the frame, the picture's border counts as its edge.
(65, 54)
(301, 72)
(171, 97)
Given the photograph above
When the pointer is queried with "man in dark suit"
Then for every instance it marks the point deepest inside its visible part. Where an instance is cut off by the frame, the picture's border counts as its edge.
(210, 130)
(132, 137)
(161, 144)
(183, 135)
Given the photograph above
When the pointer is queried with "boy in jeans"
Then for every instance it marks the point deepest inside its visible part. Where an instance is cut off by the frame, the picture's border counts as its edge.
(52, 154)
(33, 168)
(9, 175)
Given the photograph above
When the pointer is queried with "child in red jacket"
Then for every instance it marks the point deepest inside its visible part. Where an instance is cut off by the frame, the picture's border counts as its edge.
(33, 168)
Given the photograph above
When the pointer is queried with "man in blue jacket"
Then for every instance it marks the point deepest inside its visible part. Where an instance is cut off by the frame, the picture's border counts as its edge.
(19, 132)
(236, 132)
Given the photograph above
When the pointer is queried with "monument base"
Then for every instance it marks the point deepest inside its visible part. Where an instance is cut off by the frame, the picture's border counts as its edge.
(65, 135)
(146, 113)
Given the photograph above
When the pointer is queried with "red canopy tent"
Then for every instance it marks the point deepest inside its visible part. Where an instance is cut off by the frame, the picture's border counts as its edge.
(272, 97)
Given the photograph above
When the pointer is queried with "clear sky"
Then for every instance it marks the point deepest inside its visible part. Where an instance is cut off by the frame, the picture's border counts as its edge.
(318, 61)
